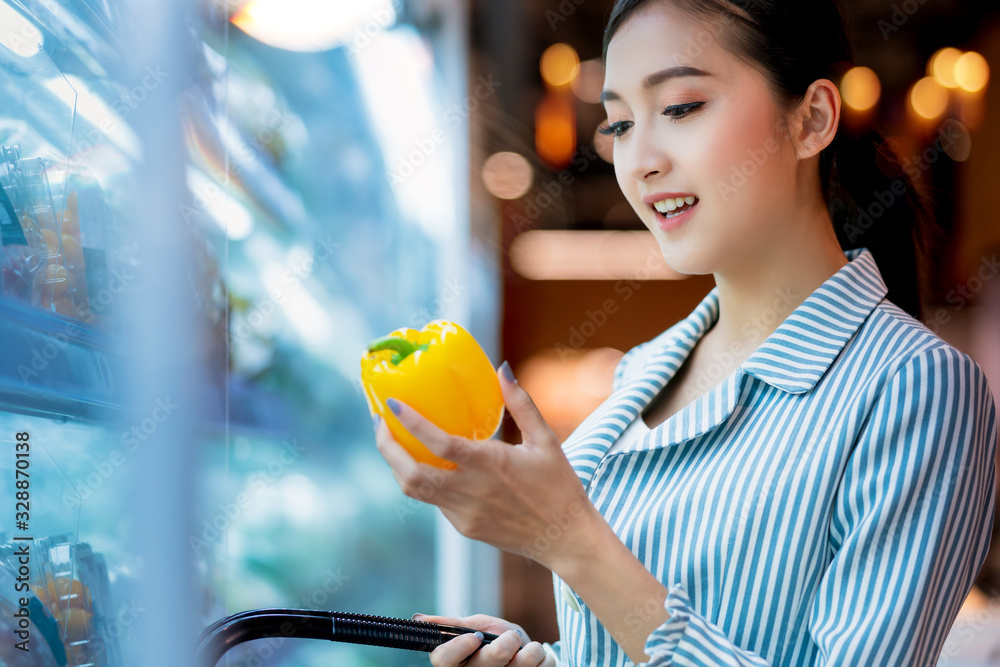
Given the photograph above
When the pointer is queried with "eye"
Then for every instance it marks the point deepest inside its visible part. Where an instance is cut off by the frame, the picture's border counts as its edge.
(615, 129)
(674, 113)
(678, 111)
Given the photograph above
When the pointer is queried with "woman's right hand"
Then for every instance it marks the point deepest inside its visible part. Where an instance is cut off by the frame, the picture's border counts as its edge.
(512, 648)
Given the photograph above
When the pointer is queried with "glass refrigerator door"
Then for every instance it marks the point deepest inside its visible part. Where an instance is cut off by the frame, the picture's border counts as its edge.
(69, 570)
(204, 223)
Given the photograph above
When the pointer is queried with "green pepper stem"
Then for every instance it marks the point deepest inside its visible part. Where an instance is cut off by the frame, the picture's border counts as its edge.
(401, 347)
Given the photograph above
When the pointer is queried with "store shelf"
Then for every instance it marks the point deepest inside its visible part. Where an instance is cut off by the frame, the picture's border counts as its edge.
(55, 366)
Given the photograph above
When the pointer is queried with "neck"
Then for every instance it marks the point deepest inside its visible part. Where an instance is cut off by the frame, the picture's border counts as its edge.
(756, 295)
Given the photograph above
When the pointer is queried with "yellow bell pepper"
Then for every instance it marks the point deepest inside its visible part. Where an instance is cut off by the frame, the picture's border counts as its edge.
(441, 372)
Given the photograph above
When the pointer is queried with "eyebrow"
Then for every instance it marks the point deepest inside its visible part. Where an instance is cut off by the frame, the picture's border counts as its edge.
(656, 78)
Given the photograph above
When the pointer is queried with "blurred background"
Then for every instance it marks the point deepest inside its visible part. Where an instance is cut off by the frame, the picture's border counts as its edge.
(209, 208)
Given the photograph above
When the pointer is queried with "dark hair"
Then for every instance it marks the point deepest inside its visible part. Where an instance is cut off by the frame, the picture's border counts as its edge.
(872, 201)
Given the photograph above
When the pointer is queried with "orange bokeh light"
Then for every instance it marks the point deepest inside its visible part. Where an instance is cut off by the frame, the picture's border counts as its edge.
(555, 130)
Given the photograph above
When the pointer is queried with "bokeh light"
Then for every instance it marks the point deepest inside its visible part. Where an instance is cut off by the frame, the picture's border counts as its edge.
(507, 175)
(314, 25)
(555, 130)
(971, 72)
(589, 81)
(928, 98)
(860, 88)
(19, 34)
(941, 66)
(559, 65)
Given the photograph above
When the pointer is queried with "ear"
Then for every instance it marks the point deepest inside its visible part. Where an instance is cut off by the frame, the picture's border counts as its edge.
(816, 120)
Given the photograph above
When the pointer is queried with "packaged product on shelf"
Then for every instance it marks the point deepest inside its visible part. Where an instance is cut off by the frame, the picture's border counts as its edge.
(85, 232)
(21, 241)
(34, 271)
(70, 583)
(54, 252)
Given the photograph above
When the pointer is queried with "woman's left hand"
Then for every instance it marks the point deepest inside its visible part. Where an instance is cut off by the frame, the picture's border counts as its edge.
(520, 498)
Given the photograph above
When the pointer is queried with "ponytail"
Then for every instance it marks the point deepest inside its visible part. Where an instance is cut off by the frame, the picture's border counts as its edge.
(877, 204)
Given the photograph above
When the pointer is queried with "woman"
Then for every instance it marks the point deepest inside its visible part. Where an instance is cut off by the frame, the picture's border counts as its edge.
(799, 472)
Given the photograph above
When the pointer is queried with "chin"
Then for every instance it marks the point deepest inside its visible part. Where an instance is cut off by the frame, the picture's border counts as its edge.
(690, 262)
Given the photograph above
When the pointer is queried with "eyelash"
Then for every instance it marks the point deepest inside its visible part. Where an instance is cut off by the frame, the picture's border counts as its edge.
(682, 110)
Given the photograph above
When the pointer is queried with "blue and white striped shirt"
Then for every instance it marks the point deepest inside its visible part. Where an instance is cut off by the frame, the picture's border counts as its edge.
(828, 503)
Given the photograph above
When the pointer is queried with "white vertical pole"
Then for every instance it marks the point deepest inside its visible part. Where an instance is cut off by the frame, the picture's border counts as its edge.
(468, 572)
(161, 335)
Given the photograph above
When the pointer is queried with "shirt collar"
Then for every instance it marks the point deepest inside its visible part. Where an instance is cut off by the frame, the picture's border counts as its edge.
(797, 354)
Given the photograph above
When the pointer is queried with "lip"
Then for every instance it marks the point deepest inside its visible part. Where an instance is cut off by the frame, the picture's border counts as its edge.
(649, 200)
(672, 223)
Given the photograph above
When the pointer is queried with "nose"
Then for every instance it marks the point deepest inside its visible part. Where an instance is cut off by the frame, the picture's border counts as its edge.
(644, 159)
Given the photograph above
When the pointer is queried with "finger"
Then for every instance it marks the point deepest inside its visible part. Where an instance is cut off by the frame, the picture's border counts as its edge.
(420, 481)
(530, 655)
(454, 651)
(441, 443)
(402, 463)
(500, 651)
(491, 624)
(534, 429)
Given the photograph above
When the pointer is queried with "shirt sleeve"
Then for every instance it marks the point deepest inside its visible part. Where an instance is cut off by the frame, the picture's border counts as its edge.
(909, 531)
(555, 650)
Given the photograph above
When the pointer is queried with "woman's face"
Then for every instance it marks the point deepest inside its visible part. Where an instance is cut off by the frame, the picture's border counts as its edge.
(722, 146)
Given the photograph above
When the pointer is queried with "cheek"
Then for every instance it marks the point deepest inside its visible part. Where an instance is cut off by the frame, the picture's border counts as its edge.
(628, 186)
(744, 156)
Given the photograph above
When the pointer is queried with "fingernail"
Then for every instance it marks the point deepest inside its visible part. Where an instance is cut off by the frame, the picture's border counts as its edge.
(394, 405)
(479, 635)
(375, 420)
(414, 617)
(507, 373)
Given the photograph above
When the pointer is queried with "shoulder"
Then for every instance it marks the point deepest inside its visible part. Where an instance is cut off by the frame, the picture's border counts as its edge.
(915, 358)
(902, 339)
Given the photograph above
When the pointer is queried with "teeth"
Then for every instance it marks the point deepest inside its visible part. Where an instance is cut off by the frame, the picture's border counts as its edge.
(674, 203)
